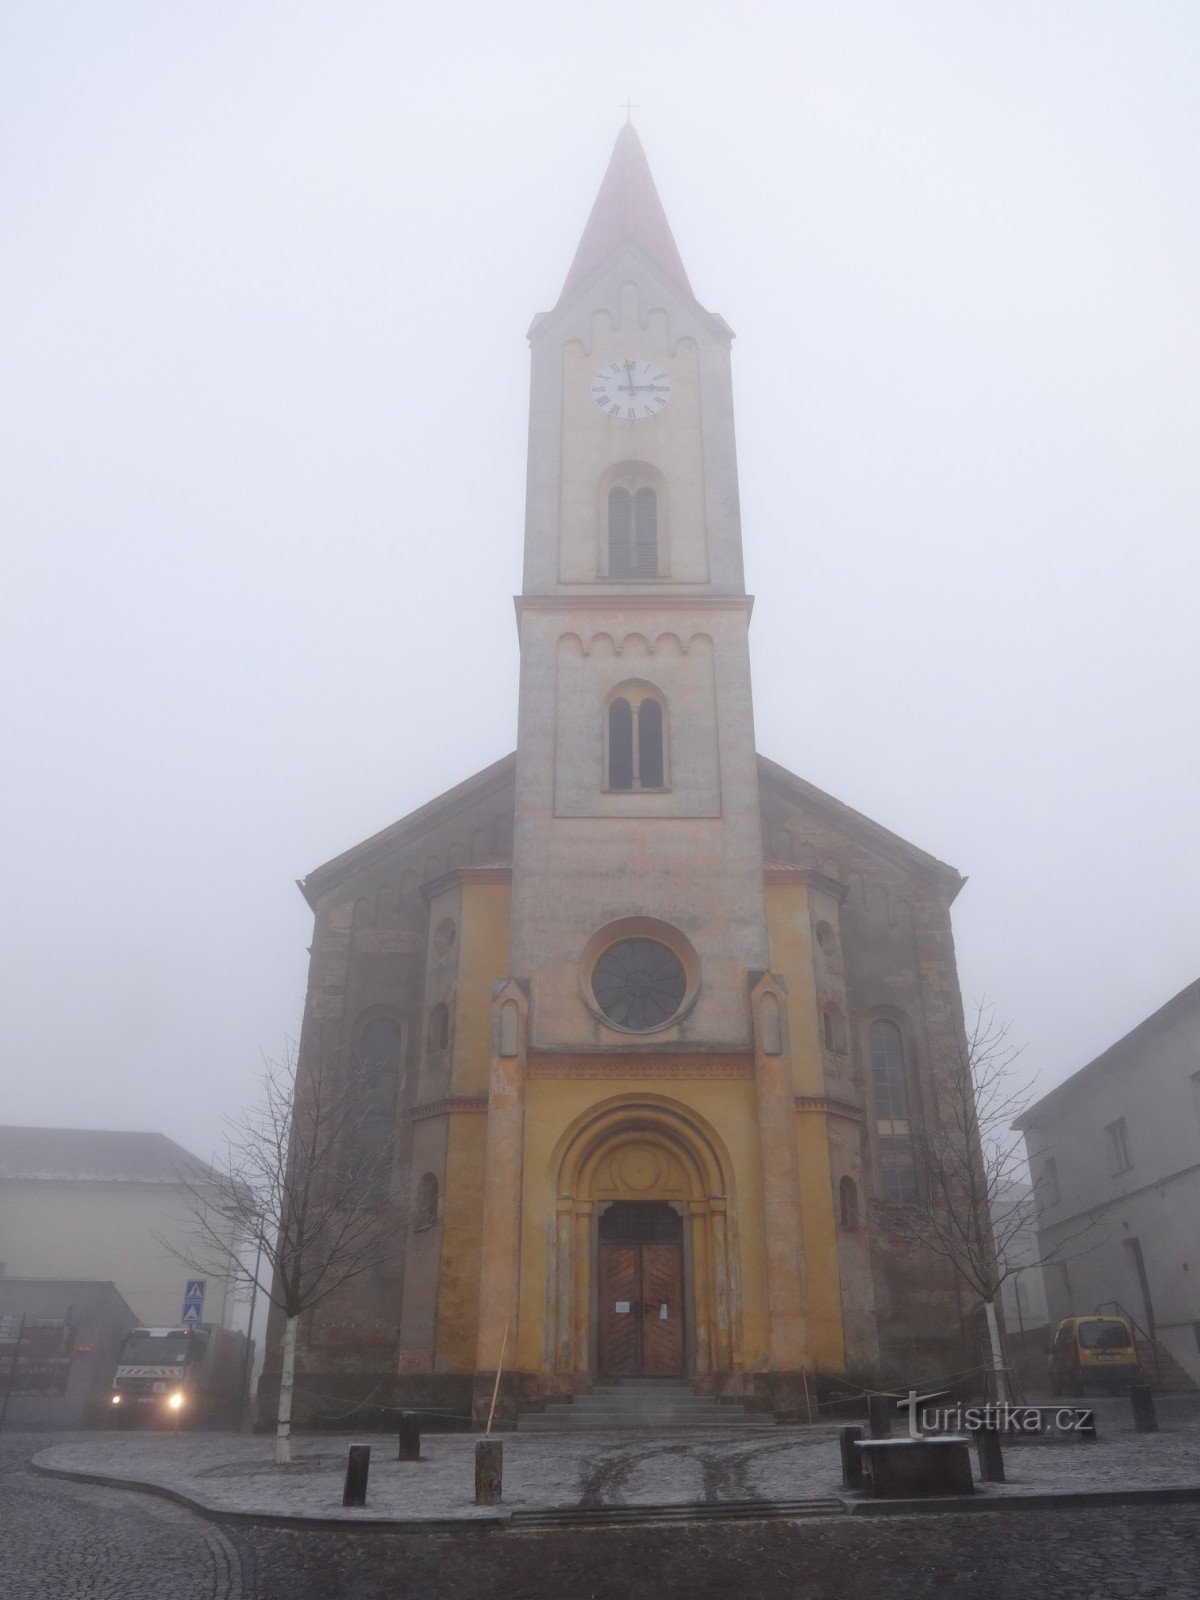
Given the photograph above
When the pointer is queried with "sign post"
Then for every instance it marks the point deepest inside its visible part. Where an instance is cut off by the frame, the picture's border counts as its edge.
(193, 1302)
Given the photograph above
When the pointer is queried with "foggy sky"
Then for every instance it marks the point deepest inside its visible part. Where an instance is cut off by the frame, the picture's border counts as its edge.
(268, 270)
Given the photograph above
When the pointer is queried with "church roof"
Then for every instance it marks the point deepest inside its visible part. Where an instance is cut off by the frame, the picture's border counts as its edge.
(97, 1155)
(500, 775)
(873, 834)
(627, 207)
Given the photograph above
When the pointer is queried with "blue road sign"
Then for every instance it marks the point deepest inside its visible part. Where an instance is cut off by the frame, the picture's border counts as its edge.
(193, 1301)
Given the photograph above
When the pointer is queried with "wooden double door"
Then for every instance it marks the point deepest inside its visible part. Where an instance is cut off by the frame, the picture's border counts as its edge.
(641, 1307)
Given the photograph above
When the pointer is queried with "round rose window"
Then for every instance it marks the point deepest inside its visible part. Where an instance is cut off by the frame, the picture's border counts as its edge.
(639, 984)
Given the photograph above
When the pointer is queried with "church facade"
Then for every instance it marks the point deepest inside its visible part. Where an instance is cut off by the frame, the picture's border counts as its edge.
(652, 1022)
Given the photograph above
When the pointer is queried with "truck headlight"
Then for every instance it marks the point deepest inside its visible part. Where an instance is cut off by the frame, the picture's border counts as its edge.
(176, 1400)
(116, 1399)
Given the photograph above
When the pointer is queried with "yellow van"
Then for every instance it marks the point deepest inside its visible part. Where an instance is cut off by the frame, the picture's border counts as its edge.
(1097, 1352)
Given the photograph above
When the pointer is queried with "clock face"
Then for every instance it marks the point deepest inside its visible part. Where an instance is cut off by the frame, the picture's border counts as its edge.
(631, 389)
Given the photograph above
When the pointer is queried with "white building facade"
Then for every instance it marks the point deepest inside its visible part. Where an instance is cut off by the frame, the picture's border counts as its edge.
(1115, 1157)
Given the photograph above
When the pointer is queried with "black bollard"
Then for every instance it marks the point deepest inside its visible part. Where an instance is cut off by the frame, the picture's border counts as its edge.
(989, 1455)
(879, 1416)
(359, 1464)
(410, 1438)
(489, 1472)
(852, 1473)
(1141, 1398)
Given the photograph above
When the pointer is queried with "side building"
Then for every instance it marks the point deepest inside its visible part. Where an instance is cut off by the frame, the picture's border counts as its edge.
(1115, 1157)
(651, 1023)
(103, 1204)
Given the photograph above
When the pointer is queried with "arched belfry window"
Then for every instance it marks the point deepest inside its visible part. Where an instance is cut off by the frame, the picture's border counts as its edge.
(889, 1094)
(632, 532)
(636, 739)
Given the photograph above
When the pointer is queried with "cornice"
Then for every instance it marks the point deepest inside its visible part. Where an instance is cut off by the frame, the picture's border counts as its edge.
(805, 877)
(453, 1105)
(822, 1105)
(620, 601)
(564, 1064)
(485, 872)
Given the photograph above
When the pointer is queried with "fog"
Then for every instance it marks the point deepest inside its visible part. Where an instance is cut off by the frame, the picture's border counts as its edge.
(268, 270)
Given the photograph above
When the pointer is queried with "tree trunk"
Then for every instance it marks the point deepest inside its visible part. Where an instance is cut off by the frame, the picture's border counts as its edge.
(1003, 1393)
(287, 1379)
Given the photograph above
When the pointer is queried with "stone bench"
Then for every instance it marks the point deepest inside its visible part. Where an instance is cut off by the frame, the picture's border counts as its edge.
(904, 1469)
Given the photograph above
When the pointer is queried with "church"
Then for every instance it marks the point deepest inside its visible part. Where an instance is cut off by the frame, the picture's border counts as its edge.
(651, 1023)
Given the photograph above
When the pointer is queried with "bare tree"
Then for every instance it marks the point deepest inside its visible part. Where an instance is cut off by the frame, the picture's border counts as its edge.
(297, 1205)
(971, 1207)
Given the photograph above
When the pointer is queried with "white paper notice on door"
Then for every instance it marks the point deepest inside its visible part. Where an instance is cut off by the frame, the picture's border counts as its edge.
(662, 1313)
(621, 1305)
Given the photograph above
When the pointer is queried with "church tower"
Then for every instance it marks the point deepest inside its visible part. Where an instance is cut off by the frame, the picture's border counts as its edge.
(650, 1025)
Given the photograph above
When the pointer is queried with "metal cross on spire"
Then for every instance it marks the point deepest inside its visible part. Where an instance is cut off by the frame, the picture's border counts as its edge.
(629, 108)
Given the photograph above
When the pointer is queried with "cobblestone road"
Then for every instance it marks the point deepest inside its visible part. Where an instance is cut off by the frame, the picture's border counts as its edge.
(66, 1541)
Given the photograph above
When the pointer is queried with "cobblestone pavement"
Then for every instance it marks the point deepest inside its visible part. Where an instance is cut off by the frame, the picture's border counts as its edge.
(65, 1541)
(69, 1541)
(559, 1471)
(1138, 1553)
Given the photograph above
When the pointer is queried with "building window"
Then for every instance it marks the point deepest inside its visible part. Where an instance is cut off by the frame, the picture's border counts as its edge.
(833, 1035)
(848, 1204)
(639, 984)
(636, 742)
(439, 1026)
(632, 533)
(889, 1089)
(1048, 1191)
(1119, 1154)
(425, 1207)
(377, 1060)
(897, 1170)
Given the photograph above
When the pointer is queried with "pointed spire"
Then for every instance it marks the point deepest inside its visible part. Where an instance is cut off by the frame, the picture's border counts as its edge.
(627, 207)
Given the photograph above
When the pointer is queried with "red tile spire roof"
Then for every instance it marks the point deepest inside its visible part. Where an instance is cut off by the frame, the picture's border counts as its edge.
(627, 207)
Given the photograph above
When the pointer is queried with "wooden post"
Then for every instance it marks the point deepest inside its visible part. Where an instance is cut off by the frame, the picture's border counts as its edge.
(410, 1438)
(357, 1468)
(852, 1473)
(879, 1416)
(1141, 1398)
(989, 1455)
(489, 1472)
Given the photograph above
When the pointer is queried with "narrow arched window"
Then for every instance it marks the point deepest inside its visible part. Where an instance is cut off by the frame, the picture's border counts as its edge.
(439, 1026)
(650, 744)
(620, 533)
(832, 1033)
(376, 1064)
(632, 533)
(636, 755)
(848, 1204)
(889, 1092)
(425, 1206)
(620, 744)
(645, 531)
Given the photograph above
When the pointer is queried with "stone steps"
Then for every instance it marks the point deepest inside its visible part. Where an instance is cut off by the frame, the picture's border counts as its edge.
(649, 1403)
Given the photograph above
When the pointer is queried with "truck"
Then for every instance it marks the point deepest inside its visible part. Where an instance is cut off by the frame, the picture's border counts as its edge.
(181, 1377)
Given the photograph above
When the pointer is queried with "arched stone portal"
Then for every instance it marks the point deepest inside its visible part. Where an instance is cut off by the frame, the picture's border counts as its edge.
(643, 1148)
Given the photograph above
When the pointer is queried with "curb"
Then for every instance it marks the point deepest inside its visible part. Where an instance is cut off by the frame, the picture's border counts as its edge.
(609, 1516)
(282, 1519)
(1068, 1500)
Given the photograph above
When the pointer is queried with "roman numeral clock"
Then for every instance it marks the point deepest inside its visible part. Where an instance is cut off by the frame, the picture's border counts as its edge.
(631, 389)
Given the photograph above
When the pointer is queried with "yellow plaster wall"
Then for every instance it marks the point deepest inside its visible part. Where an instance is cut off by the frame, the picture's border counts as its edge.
(552, 1105)
(483, 958)
(789, 928)
(458, 1286)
